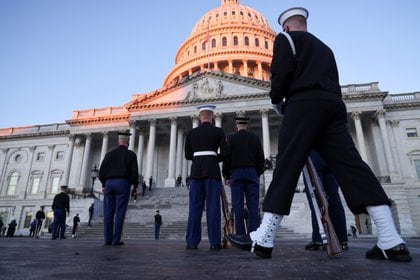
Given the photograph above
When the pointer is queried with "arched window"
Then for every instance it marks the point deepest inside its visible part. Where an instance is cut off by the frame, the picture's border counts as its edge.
(213, 43)
(203, 46)
(266, 45)
(36, 179)
(235, 40)
(195, 49)
(246, 41)
(224, 42)
(257, 42)
(12, 184)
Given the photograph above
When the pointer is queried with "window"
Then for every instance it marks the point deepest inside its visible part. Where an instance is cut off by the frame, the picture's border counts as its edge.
(246, 41)
(195, 49)
(411, 132)
(417, 166)
(54, 184)
(235, 40)
(59, 155)
(213, 43)
(257, 42)
(40, 156)
(28, 219)
(266, 45)
(13, 181)
(35, 184)
(18, 158)
(203, 46)
(224, 42)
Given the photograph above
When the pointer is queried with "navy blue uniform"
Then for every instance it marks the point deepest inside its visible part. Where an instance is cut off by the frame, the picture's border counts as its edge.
(201, 146)
(61, 205)
(245, 165)
(315, 118)
(117, 173)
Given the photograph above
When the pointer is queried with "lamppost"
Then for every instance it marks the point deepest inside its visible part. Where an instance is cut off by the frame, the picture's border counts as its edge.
(94, 173)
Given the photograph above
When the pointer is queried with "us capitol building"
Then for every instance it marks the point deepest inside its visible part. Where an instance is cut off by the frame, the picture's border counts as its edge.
(225, 61)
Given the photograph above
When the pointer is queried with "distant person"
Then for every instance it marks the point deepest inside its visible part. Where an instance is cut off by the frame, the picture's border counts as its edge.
(158, 223)
(40, 217)
(150, 183)
(91, 212)
(60, 206)
(118, 172)
(143, 188)
(134, 195)
(353, 231)
(32, 227)
(11, 228)
(76, 221)
(179, 181)
(1, 227)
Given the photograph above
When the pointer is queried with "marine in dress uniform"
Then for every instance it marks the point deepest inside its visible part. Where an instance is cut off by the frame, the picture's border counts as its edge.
(243, 171)
(60, 206)
(201, 146)
(117, 173)
(304, 73)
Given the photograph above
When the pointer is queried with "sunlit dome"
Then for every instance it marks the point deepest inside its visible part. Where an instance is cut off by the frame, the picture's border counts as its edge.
(232, 38)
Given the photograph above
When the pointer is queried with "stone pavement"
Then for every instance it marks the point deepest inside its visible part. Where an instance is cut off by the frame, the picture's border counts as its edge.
(88, 258)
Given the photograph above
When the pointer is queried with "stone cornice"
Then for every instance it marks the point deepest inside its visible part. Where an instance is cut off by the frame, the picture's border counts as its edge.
(99, 120)
(32, 135)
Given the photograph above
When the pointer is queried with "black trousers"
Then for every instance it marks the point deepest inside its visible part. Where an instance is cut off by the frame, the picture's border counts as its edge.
(319, 120)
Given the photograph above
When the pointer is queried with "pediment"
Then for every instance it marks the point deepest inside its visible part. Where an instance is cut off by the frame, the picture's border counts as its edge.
(205, 86)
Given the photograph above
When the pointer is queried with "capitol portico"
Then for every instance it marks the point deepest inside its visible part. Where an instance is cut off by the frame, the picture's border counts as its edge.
(225, 61)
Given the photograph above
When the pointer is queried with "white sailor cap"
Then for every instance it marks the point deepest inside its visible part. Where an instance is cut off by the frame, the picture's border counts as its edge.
(206, 108)
(124, 135)
(296, 11)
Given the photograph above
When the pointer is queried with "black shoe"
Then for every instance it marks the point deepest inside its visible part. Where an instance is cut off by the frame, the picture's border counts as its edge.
(314, 246)
(398, 253)
(108, 243)
(216, 247)
(191, 247)
(118, 243)
(344, 246)
(263, 252)
(63, 237)
(243, 242)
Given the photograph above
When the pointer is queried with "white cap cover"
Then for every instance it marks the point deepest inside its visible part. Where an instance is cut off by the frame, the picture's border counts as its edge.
(206, 108)
(297, 11)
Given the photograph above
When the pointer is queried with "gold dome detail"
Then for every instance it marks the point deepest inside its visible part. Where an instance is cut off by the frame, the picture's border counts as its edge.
(232, 38)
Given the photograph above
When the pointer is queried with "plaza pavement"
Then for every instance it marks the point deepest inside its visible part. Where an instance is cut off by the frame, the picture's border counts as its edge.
(87, 258)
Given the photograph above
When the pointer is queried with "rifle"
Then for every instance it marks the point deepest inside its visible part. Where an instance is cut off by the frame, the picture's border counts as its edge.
(228, 226)
(321, 208)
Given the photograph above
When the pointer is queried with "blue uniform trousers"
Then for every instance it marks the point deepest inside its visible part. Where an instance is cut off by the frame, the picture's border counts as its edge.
(59, 224)
(116, 196)
(202, 191)
(244, 182)
(335, 207)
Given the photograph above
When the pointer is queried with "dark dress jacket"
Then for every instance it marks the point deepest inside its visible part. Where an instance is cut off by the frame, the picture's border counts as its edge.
(120, 163)
(206, 137)
(245, 151)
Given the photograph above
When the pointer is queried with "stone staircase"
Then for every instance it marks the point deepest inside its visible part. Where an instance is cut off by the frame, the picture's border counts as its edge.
(172, 204)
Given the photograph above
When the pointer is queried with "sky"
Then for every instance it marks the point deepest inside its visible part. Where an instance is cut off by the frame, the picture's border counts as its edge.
(58, 56)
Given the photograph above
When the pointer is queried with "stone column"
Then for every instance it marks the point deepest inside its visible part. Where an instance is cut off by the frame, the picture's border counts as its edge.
(260, 75)
(170, 181)
(265, 132)
(85, 161)
(150, 149)
(69, 159)
(395, 125)
(3, 162)
(380, 115)
(51, 156)
(132, 136)
(218, 119)
(245, 68)
(27, 187)
(179, 153)
(195, 121)
(356, 116)
(230, 67)
(104, 149)
(140, 151)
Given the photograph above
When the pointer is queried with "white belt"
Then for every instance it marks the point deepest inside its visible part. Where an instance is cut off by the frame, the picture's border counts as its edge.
(205, 153)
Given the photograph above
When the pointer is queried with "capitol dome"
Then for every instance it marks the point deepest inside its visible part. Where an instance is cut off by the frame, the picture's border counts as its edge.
(232, 38)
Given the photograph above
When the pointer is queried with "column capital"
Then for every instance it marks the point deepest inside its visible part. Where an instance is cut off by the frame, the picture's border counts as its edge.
(173, 119)
(394, 123)
(105, 133)
(264, 112)
(380, 114)
(152, 122)
(356, 115)
(50, 147)
(132, 123)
